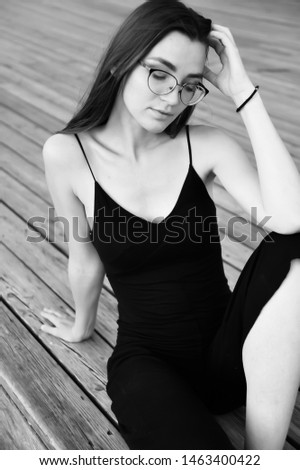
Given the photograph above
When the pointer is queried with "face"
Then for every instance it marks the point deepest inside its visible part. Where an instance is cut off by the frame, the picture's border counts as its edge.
(175, 54)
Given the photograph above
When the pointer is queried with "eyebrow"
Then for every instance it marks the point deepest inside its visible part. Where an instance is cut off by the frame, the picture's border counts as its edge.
(173, 67)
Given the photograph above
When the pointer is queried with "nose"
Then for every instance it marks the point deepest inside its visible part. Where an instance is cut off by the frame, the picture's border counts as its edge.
(172, 98)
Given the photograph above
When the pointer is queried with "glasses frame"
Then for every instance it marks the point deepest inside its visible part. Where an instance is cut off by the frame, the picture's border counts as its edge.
(154, 69)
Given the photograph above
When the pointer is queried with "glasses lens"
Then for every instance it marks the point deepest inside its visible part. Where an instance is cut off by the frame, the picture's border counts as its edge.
(161, 82)
(192, 94)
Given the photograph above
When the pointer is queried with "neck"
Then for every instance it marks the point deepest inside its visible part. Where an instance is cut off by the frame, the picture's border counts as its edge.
(127, 135)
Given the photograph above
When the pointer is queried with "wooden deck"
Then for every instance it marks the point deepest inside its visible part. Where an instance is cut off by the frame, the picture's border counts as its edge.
(53, 393)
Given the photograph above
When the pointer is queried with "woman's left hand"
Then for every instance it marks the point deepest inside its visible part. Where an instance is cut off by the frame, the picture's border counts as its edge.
(232, 79)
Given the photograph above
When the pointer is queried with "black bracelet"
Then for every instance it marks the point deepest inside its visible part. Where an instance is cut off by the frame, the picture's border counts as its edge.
(248, 99)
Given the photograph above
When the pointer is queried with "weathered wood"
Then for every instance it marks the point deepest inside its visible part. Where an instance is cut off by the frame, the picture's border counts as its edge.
(86, 362)
(16, 432)
(30, 112)
(22, 125)
(63, 416)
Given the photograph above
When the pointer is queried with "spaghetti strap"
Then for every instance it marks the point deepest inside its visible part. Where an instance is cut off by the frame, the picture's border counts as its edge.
(81, 146)
(189, 143)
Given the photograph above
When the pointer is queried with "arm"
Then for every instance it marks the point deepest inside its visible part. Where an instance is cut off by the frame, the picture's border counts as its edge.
(86, 285)
(278, 174)
(85, 269)
(274, 189)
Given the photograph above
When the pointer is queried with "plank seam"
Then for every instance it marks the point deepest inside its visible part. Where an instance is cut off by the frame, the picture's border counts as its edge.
(61, 364)
(13, 399)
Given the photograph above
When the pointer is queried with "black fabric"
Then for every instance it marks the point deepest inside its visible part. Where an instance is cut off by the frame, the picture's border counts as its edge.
(178, 356)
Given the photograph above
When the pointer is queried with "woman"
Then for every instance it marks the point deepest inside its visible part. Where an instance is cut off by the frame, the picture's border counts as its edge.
(187, 347)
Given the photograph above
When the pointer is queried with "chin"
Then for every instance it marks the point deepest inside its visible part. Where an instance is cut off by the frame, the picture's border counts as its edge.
(156, 127)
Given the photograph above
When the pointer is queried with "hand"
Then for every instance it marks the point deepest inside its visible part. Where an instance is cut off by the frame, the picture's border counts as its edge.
(232, 79)
(64, 326)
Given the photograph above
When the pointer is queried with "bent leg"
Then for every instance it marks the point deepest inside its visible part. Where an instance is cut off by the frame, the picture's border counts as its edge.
(157, 409)
(271, 355)
(263, 316)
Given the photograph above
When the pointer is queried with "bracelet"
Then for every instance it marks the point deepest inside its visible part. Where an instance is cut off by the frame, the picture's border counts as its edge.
(248, 99)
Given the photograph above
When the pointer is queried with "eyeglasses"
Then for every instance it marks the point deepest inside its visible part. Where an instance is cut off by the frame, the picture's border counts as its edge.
(162, 83)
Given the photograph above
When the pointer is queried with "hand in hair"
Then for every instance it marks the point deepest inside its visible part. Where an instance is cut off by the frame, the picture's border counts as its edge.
(232, 78)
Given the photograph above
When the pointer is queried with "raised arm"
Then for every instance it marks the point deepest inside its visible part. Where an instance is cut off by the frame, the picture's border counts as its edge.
(85, 269)
(275, 188)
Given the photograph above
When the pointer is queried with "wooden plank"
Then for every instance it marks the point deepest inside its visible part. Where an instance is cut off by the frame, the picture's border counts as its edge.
(63, 416)
(22, 125)
(86, 361)
(78, 17)
(23, 146)
(38, 101)
(31, 113)
(16, 432)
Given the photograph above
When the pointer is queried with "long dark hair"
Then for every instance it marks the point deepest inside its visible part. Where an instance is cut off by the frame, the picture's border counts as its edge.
(137, 35)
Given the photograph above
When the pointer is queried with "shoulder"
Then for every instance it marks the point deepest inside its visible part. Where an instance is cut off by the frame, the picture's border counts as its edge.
(59, 148)
(214, 136)
(63, 158)
(216, 143)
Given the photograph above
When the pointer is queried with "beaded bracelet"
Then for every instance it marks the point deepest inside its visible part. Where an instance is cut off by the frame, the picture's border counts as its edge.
(248, 99)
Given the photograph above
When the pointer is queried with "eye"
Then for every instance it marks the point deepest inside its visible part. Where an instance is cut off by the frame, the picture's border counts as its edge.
(159, 75)
(193, 86)
(190, 87)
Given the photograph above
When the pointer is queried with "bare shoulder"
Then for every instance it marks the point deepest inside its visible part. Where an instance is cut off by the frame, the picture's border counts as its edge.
(59, 149)
(211, 135)
(214, 143)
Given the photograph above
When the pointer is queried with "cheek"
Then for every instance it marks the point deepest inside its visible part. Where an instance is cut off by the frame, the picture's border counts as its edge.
(137, 98)
(136, 95)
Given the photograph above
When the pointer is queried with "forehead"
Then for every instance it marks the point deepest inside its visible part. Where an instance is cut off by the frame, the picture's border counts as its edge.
(181, 51)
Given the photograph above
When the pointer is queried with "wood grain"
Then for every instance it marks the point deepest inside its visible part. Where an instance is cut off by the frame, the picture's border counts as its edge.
(16, 432)
(63, 416)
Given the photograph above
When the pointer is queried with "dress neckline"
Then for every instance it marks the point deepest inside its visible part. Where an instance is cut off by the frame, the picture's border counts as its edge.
(149, 222)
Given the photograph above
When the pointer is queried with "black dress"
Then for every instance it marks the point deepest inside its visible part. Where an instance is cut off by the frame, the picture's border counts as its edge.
(178, 356)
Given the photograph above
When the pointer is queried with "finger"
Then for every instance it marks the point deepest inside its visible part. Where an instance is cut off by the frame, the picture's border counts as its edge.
(51, 310)
(52, 330)
(216, 45)
(209, 75)
(222, 37)
(224, 29)
(230, 51)
(51, 317)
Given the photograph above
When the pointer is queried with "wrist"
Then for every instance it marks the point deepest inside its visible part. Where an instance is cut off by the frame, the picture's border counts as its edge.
(83, 329)
(240, 96)
(81, 335)
(250, 97)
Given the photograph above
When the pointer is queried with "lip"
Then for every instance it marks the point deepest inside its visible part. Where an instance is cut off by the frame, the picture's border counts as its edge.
(162, 113)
